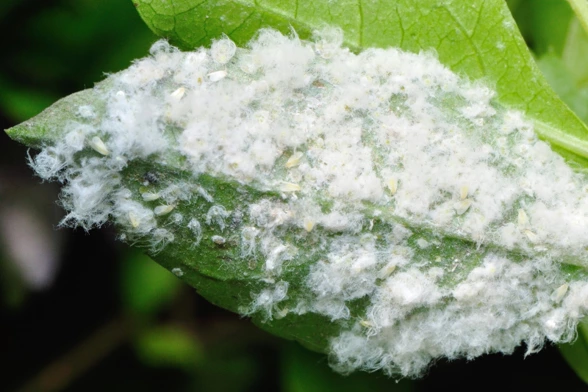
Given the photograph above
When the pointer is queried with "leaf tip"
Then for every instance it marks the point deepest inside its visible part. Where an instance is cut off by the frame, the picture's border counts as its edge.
(28, 133)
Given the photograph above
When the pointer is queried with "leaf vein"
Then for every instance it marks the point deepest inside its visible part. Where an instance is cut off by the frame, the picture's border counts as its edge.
(468, 37)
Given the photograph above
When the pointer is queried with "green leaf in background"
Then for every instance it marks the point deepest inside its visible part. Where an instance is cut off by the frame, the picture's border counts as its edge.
(562, 79)
(54, 52)
(169, 346)
(22, 104)
(575, 53)
(476, 39)
(565, 69)
(544, 23)
(580, 7)
(13, 287)
(232, 365)
(305, 371)
(146, 287)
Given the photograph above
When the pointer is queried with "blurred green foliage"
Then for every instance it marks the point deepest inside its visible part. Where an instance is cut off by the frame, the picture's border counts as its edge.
(543, 23)
(13, 290)
(55, 50)
(169, 346)
(306, 371)
(146, 287)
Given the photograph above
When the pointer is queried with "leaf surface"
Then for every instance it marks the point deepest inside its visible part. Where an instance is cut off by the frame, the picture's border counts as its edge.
(576, 353)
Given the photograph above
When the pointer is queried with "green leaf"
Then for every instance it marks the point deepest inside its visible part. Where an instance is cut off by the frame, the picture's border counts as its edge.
(576, 353)
(476, 39)
(14, 291)
(562, 80)
(580, 7)
(567, 73)
(305, 371)
(168, 346)
(21, 104)
(575, 53)
(146, 287)
(544, 24)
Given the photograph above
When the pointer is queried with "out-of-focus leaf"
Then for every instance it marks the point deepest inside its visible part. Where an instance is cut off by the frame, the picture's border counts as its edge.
(543, 23)
(514, 5)
(580, 7)
(145, 286)
(305, 371)
(230, 367)
(80, 26)
(575, 54)
(56, 46)
(168, 346)
(22, 103)
(78, 29)
(576, 353)
(562, 81)
(13, 289)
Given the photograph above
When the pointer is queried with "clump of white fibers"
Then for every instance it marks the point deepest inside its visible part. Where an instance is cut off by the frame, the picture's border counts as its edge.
(408, 188)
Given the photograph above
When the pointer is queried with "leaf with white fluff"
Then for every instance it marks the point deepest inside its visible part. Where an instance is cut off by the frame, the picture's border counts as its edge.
(384, 192)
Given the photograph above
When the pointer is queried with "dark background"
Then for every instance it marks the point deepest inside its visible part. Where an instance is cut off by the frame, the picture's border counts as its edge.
(86, 313)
